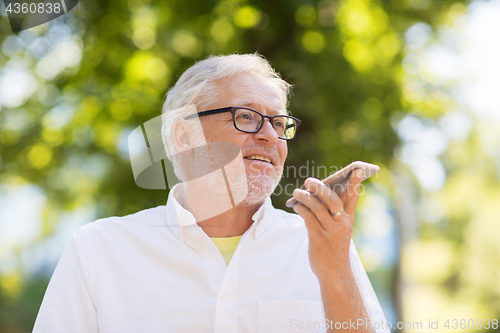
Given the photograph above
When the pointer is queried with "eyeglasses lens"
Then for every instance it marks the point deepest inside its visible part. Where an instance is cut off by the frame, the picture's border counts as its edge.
(250, 121)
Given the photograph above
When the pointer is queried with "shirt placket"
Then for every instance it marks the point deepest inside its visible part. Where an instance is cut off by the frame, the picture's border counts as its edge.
(222, 279)
(225, 309)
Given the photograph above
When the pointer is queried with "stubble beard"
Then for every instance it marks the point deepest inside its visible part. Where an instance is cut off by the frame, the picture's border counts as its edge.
(261, 186)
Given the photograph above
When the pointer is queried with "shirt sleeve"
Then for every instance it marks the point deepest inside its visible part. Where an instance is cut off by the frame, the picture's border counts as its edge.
(377, 318)
(68, 304)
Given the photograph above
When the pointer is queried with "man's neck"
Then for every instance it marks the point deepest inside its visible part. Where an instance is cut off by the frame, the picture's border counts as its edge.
(228, 221)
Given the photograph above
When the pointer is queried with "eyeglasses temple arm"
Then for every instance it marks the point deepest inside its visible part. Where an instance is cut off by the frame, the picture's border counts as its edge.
(204, 113)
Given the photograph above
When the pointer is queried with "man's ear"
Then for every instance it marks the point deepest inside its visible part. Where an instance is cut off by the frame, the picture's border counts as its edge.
(183, 136)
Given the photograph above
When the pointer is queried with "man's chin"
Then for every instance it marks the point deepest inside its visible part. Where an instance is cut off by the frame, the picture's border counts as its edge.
(259, 188)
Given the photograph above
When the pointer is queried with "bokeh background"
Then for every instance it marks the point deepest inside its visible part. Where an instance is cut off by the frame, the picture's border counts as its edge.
(410, 85)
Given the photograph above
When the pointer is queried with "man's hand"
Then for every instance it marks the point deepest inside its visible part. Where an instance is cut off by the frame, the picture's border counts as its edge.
(329, 220)
(329, 235)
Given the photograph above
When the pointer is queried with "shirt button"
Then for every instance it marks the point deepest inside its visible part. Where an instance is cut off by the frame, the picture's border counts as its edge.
(259, 228)
(223, 297)
(179, 233)
(202, 243)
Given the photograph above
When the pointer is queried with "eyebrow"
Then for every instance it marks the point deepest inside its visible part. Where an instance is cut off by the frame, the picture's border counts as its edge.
(252, 105)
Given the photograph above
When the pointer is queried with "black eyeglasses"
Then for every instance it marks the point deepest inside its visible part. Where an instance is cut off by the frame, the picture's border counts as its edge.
(250, 121)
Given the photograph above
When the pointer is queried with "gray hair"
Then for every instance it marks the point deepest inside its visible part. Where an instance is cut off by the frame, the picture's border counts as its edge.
(196, 88)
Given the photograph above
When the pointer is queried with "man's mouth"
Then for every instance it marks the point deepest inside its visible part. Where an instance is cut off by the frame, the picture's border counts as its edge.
(259, 158)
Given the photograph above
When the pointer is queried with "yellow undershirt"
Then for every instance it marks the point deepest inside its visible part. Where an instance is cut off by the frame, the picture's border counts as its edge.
(226, 246)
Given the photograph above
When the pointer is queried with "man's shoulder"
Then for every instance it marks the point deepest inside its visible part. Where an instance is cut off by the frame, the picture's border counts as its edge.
(146, 217)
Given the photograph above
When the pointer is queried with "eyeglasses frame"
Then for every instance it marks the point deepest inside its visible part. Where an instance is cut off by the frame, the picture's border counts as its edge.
(233, 109)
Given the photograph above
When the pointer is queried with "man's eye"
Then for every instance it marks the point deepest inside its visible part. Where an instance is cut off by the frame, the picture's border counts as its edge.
(279, 124)
(245, 116)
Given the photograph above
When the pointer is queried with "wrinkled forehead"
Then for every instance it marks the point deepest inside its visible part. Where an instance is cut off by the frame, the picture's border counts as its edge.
(251, 91)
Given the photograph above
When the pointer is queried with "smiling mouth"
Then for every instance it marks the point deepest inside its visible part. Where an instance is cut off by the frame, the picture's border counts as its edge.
(258, 158)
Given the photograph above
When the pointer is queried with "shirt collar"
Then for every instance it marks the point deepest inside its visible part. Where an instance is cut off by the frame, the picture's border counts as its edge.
(177, 216)
(181, 217)
(262, 218)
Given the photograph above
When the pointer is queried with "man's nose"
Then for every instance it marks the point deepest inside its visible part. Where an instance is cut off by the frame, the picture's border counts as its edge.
(267, 132)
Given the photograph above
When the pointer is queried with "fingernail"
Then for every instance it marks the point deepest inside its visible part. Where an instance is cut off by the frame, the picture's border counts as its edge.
(358, 173)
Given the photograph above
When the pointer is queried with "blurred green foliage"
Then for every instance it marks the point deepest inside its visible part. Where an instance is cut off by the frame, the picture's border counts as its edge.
(344, 59)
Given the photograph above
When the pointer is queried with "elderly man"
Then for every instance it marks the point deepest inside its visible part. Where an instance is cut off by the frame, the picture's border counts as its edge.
(219, 257)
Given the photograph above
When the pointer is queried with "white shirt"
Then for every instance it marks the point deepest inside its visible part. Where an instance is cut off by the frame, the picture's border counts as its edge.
(158, 271)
